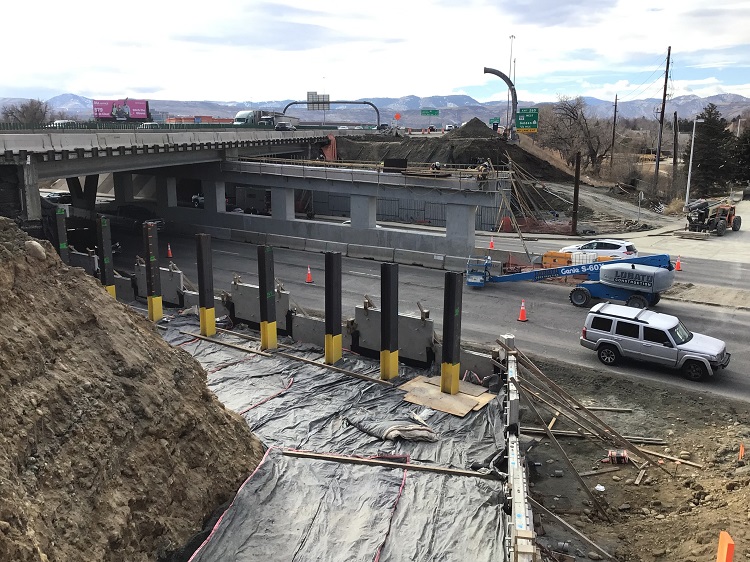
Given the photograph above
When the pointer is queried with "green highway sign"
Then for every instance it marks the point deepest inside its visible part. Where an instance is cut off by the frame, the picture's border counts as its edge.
(494, 120)
(527, 120)
(430, 112)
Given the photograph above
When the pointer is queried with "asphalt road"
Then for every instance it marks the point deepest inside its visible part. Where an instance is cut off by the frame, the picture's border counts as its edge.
(553, 323)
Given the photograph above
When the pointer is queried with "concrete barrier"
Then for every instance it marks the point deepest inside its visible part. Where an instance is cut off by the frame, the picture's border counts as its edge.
(414, 334)
(291, 242)
(63, 141)
(31, 143)
(309, 330)
(144, 138)
(124, 290)
(216, 232)
(370, 252)
(341, 247)
(410, 257)
(181, 138)
(454, 263)
(318, 246)
(257, 238)
(192, 299)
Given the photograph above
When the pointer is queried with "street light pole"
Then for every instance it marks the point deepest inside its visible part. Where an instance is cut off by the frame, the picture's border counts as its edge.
(510, 69)
(690, 165)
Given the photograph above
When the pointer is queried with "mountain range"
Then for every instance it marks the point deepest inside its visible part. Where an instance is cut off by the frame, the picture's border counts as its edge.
(454, 109)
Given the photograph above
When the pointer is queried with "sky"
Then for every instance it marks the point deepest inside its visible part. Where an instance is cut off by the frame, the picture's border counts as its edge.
(239, 50)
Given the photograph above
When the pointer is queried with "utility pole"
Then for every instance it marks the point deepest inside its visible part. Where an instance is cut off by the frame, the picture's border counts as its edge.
(612, 152)
(661, 122)
(674, 152)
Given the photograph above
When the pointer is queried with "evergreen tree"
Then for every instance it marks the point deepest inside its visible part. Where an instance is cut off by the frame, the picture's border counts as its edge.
(742, 158)
(713, 155)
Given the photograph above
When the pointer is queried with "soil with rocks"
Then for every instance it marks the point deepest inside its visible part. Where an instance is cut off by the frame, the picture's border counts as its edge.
(111, 446)
(684, 499)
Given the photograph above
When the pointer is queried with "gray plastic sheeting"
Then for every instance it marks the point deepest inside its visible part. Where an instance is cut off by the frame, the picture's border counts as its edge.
(307, 509)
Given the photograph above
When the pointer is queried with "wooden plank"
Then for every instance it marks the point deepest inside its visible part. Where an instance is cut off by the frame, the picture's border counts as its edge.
(463, 386)
(483, 400)
(387, 464)
(640, 476)
(408, 385)
(600, 471)
(429, 395)
(663, 456)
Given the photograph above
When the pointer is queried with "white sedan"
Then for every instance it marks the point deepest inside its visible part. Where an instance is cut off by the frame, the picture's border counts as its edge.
(606, 247)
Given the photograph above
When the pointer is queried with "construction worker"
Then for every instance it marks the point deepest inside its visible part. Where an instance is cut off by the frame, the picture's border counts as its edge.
(435, 166)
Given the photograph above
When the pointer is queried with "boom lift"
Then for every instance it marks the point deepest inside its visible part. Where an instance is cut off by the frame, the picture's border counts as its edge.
(636, 281)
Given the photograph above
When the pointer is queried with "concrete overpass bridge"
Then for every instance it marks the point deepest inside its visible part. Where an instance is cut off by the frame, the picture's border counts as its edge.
(28, 157)
(213, 163)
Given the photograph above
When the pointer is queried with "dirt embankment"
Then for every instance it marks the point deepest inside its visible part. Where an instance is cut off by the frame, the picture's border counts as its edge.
(111, 446)
(461, 146)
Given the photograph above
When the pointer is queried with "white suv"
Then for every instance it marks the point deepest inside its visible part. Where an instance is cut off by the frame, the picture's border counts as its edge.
(606, 247)
(616, 331)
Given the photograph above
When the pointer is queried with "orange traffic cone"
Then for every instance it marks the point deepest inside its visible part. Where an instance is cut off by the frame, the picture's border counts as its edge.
(169, 251)
(492, 243)
(309, 276)
(677, 266)
(522, 315)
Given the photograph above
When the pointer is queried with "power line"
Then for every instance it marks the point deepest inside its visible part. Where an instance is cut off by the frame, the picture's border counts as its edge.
(637, 89)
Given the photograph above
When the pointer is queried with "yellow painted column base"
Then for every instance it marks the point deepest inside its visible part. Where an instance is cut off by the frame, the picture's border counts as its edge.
(155, 309)
(388, 364)
(208, 321)
(449, 377)
(111, 290)
(268, 336)
(333, 349)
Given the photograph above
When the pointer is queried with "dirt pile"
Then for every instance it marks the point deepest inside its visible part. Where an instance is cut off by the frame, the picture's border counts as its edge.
(465, 145)
(111, 446)
(676, 510)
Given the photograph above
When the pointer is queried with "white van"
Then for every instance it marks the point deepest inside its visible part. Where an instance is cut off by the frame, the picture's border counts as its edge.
(615, 331)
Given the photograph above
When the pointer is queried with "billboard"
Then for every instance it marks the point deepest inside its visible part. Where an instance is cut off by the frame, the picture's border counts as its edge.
(121, 110)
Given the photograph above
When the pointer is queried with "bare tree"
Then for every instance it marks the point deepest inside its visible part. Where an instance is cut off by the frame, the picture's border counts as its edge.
(28, 113)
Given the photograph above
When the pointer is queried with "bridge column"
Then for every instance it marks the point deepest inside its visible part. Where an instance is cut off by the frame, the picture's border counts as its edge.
(363, 211)
(460, 227)
(124, 191)
(215, 193)
(282, 203)
(166, 193)
(30, 190)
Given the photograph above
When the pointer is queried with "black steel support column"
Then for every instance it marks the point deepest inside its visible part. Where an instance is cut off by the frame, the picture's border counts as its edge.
(449, 370)
(104, 253)
(268, 336)
(333, 307)
(62, 236)
(207, 312)
(153, 275)
(389, 321)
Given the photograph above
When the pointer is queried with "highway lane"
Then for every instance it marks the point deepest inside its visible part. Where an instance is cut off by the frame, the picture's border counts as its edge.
(552, 330)
(696, 270)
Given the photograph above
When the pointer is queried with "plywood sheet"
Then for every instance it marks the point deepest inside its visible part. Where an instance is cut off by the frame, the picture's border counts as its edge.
(463, 386)
(483, 400)
(408, 385)
(429, 395)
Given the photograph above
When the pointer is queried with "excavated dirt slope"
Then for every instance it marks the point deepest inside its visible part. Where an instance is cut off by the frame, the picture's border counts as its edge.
(111, 446)
(459, 146)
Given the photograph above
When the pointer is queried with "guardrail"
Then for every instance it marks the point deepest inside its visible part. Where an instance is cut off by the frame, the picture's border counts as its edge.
(136, 127)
